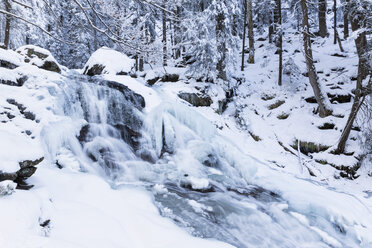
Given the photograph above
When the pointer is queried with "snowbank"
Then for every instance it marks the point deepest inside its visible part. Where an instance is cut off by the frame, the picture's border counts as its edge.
(108, 61)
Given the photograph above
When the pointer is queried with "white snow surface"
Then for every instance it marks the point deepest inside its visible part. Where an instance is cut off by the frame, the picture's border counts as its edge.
(114, 62)
(86, 210)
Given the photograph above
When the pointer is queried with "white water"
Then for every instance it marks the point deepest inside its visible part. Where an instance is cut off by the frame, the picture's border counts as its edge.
(199, 179)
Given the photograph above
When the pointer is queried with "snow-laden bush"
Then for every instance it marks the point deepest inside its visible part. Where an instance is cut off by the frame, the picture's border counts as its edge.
(366, 136)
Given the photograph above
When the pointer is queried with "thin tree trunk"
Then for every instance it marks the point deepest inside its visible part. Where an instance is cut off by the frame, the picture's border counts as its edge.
(335, 21)
(322, 14)
(164, 17)
(177, 34)
(346, 19)
(221, 46)
(280, 40)
(250, 33)
(271, 30)
(7, 25)
(244, 33)
(358, 22)
(320, 97)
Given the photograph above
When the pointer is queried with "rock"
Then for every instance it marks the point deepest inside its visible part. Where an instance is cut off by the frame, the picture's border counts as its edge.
(108, 61)
(10, 59)
(11, 78)
(39, 57)
(196, 100)
(7, 187)
(154, 76)
(30, 163)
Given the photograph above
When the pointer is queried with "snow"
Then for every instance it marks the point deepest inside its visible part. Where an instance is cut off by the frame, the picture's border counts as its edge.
(11, 56)
(114, 62)
(35, 60)
(7, 187)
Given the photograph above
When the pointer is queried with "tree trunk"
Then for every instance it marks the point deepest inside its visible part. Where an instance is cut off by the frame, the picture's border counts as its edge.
(7, 25)
(244, 33)
(335, 21)
(279, 39)
(221, 46)
(164, 17)
(346, 19)
(358, 22)
(322, 13)
(320, 97)
(250, 33)
(271, 30)
(177, 35)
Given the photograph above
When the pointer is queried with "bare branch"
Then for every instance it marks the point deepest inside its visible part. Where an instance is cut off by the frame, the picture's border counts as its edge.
(33, 24)
(22, 4)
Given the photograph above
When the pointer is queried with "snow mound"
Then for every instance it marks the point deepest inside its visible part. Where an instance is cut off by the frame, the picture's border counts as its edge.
(10, 59)
(7, 187)
(108, 61)
(39, 57)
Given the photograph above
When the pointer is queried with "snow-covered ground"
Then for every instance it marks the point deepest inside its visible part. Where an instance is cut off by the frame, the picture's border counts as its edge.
(230, 176)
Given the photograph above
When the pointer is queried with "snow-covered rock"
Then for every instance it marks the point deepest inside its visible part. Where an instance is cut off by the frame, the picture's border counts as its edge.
(10, 59)
(108, 61)
(10, 77)
(7, 187)
(40, 57)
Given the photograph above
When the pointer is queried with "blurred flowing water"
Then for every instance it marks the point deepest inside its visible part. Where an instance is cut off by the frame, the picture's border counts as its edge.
(197, 178)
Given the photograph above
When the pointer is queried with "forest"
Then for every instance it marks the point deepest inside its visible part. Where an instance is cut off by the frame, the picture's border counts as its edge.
(185, 123)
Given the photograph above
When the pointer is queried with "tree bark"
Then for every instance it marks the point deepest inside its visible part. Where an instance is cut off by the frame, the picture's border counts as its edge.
(346, 19)
(334, 21)
(322, 14)
(221, 46)
(244, 32)
(164, 19)
(250, 33)
(358, 22)
(7, 24)
(320, 97)
(279, 37)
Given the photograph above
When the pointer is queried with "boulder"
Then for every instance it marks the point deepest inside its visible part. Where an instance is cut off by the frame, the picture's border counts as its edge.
(11, 78)
(10, 59)
(108, 61)
(196, 100)
(27, 169)
(39, 57)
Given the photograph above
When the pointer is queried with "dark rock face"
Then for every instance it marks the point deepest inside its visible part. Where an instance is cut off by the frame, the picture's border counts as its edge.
(195, 99)
(49, 63)
(26, 114)
(27, 169)
(19, 82)
(94, 70)
(7, 64)
(165, 78)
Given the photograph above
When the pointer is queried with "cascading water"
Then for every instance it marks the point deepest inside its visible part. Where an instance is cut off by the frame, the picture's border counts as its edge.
(198, 178)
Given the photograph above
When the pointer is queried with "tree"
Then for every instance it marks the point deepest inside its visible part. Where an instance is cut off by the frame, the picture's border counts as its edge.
(346, 19)
(244, 30)
(322, 14)
(279, 37)
(164, 28)
(320, 96)
(358, 12)
(250, 33)
(335, 21)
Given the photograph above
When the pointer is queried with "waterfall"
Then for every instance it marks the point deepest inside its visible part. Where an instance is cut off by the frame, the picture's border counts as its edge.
(198, 178)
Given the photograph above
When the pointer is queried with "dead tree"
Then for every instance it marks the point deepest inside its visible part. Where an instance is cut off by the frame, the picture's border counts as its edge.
(321, 98)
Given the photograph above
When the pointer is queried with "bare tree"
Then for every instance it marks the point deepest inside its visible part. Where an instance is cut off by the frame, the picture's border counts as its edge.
(358, 23)
(244, 31)
(279, 38)
(322, 14)
(250, 33)
(7, 24)
(164, 26)
(335, 21)
(321, 98)
(221, 45)
(346, 19)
